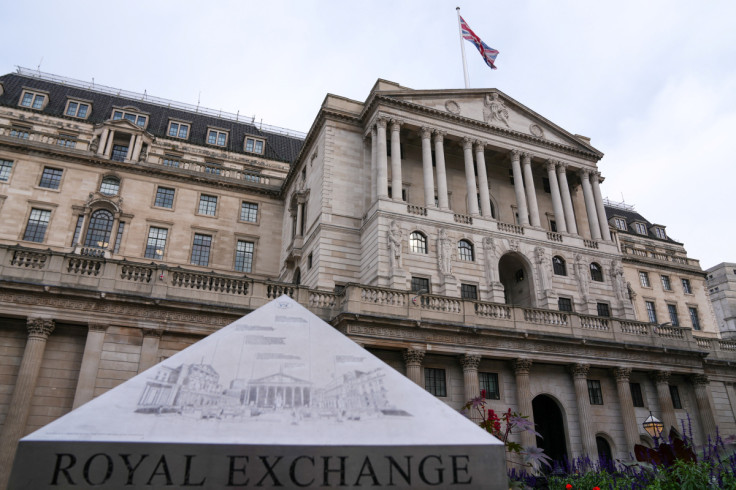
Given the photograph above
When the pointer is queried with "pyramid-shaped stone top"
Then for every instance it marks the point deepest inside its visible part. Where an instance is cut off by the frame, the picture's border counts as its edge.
(276, 380)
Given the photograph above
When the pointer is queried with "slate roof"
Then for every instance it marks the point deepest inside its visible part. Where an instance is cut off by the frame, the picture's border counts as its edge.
(278, 146)
(632, 216)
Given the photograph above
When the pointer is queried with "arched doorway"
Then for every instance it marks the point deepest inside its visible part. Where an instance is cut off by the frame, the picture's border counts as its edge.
(516, 277)
(604, 449)
(550, 425)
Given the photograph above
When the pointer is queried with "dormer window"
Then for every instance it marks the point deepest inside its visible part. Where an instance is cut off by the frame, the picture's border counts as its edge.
(215, 137)
(75, 108)
(254, 145)
(33, 99)
(641, 228)
(659, 231)
(178, 130)
(137, 119)
(620, 224)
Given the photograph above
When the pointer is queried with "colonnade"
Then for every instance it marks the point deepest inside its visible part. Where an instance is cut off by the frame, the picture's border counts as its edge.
(579, 373)
(474, 159)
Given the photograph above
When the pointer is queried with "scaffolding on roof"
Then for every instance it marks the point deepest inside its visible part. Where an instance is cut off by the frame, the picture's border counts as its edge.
(618, 205)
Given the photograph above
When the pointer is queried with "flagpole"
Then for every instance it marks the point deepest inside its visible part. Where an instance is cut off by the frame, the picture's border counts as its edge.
(462, 48)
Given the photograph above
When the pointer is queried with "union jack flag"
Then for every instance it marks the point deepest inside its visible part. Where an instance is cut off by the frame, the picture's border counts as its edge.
(489, 54)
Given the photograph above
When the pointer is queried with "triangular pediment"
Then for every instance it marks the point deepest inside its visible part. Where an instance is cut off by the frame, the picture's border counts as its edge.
(494, 108)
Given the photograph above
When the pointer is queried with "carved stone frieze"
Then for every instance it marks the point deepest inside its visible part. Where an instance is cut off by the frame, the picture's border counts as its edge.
(494, 110)
(536, 130)
(452, 107)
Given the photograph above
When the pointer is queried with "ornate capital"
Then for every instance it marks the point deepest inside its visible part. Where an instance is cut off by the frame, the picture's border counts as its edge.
(699, 379)
(584, 173)
(426, 132)
(551, 165)
(470, 362)
(579, 370)
(439, 136)
(467, 143)
(413, 357)
(515, 155)
(480, 145)
(97, 327)
(522, 366)
(381, 123)
(40, 327)
(561, 167)
(526, 157)
(660, 376)
(396, 124)
(622, 374)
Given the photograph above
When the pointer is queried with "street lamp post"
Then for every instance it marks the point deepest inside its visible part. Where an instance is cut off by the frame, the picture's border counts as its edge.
(653, 426)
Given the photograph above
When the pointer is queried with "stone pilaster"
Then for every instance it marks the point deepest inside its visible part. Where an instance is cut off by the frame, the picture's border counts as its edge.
(14, 426)
(427, 171)
(480, 163)
(598, 197)
(707, 417)
(572, 226)
(374, 165)
(595, 227)
(413, 359)
(661, 379)
(439, 154)
(90, 364)
(628, 414)
(470, 363)
(381, 160)
(519, 188)
(587, 430)
(524, 397)
(556, 197)
(531, 193)
(396, 182)
(470, 185)
(149, 348)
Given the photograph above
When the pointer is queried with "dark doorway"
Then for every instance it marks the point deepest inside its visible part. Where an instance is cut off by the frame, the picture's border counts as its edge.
(516, 277)
(548, 418)
(604, 449)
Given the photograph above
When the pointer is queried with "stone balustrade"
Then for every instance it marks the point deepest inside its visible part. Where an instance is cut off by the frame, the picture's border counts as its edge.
(627, 249)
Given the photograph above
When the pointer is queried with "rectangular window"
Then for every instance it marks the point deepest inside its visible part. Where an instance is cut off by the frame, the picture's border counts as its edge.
(119, 237)
(644, 279)
(666, 284)
(164, 197)
(640, 228)
(32, 100)
(178, 130)
(136, 119)
(156, 243)
(620, 224)
(675, 394)
(212, 168)
(636, 396)
(215, 137)
(201, 249)
(468, 291)
(38, 221)
(66, 141)
(434, 381)
(170, 161)
(78, 230)
(686, 286)
(249, 212)
(694, 317)
(419, 284)
(604, 310)
(595, 395)
(489, 383)
(119, 153)
(672, 309)
(253, 145)
(564, 304)
(244, 256)
(77, 109)
(207, 205)
(651, 311)
(5, 167)
(309, 261)
(50, 178)
(660, 233)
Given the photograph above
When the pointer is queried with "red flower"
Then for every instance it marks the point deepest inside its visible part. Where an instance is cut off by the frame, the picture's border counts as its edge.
(569, 487)
(482, 393)
(596, 488)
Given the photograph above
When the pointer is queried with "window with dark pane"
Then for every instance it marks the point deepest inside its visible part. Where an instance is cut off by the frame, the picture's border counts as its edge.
(465, 250)
(244, 256)
(564, 304)
(489, 383)
(119, 237)
(156, 243)
(201, 249)
(51, 178)
(249, 212)
(207, 205)
(559, 266)
(38, 222)
(418, 242)
(596, 272)
(636, 396)
(110, 186)
(99, 229)
(468, 291)
(604, 309)
(595, 394)
(675, 394)
(419, 284)
(434, 381)
(164, 197)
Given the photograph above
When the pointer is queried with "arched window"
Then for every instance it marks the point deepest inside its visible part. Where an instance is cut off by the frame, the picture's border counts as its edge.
(604, 449)
(559, 266)
(596, 272)
(418, 242)
(100, 227)
(465, 250)
(110, 186)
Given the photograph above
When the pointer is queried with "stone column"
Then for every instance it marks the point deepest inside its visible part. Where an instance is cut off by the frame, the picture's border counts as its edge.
(524, 397)
(587, 430)
(480, 163)
(413, 360)
(519, 188)
(381, 159)
(470, 177)
(661, 379)
(628, 414)
(90, 363)
(572, 227)
(598, 198)
(103, 141)
(131, 147)
(427, 168)
(149, 348)
(108, 145)
(470, 363)
(299, 212)
(595, 228)
(374, 166)
(137, 148)
(396, 182)
(556, 197)
(14, 426)
(439, 154)
(707, 418)
(531, 194)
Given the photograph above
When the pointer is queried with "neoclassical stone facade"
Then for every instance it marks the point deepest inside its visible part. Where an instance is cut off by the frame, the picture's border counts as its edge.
(456, 234)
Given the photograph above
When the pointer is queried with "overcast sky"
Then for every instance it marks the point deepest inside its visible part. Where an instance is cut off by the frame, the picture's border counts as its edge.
(652, 83)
